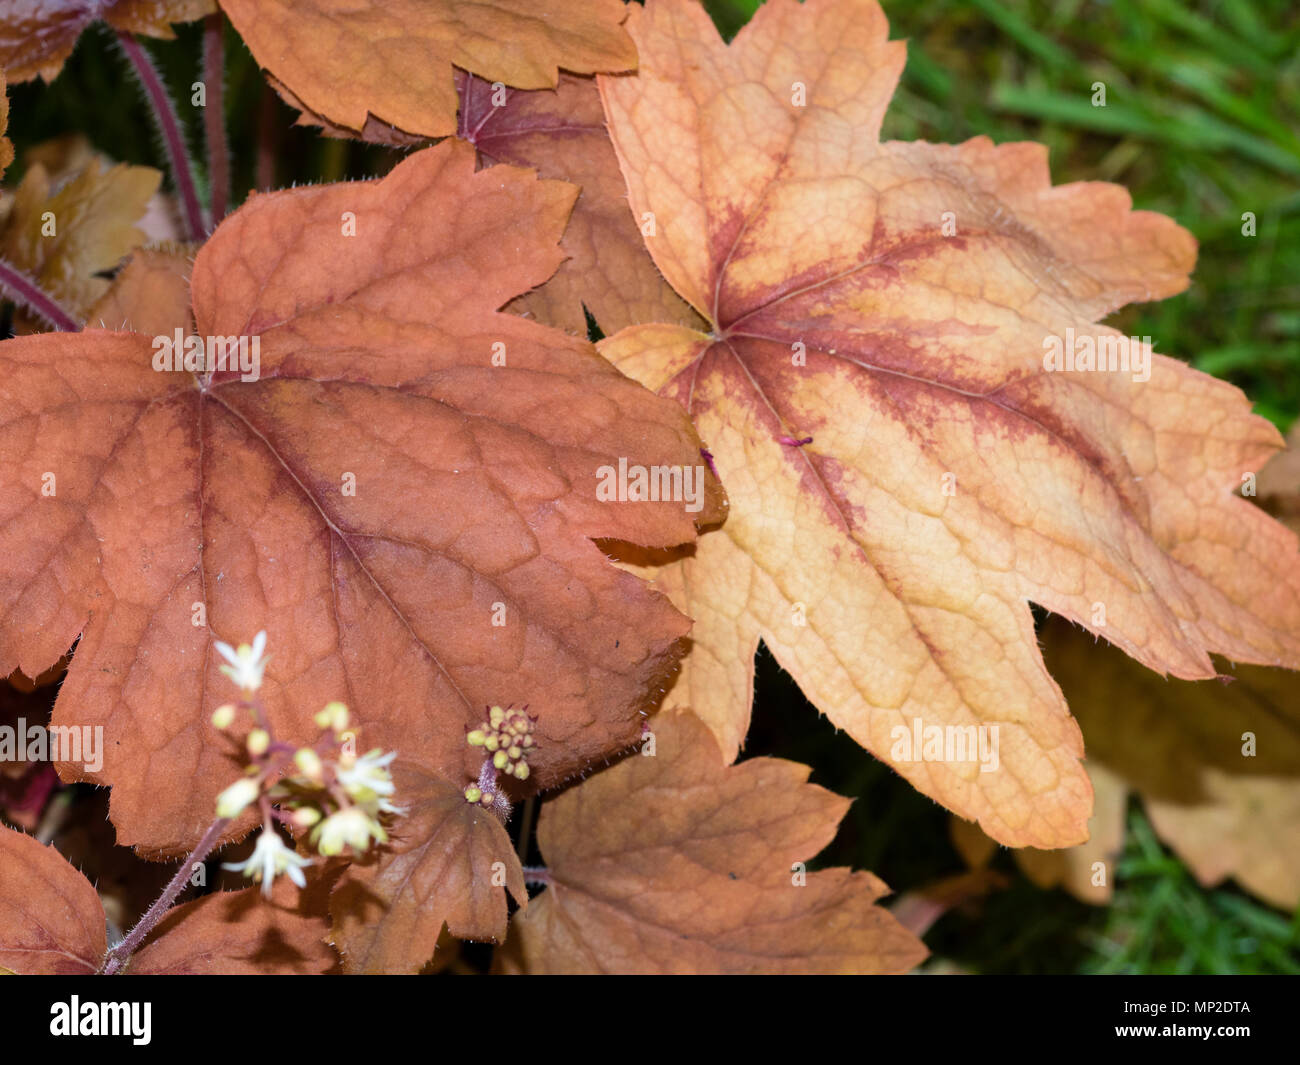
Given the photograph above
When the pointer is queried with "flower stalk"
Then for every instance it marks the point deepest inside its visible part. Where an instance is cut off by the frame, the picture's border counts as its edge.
(169, 127)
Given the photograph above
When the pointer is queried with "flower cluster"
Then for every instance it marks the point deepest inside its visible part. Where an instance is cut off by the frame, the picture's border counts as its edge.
(507, 738)
(339, 797)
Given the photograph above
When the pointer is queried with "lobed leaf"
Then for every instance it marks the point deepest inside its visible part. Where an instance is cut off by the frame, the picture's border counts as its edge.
(677, 863)
(383, 68)
(373, 500)
(906, 473)
(449, 864)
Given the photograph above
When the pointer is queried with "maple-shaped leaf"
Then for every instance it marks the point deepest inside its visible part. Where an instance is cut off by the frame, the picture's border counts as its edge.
(384, 67)
(404, 498)
(51, 921)
(679, 863)
(561, 133)
(36, 36)
(449, 863)
(905, 472)
(64, 237)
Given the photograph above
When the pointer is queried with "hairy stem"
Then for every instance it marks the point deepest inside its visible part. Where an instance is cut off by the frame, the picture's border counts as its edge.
(169, 126)
(25, 291)
(214, 114)
(118, 956)
(526, 828)
(537, 874)
(268, 140)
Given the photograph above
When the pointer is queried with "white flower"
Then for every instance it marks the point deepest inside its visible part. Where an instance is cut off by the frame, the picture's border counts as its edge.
(270, 856)
(247, 664)
(232, 801)
(352, 827)
(368, 781)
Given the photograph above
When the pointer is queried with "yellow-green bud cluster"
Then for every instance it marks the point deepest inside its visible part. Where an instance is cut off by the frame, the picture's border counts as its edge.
(507, 737)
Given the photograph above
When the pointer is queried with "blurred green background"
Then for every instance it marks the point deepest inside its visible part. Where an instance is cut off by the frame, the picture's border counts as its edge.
(1201, 123)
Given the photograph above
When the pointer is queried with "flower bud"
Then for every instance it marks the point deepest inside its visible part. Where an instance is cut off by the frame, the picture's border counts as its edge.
(334, 716)
(308, 763)
(306, 816)
(259, 740)
(235, 799)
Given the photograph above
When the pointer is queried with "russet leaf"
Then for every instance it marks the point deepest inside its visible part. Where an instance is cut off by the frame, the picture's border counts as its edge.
(51, 921)
(383, 68)
(679, 863)
(240, 933)
(150, 294)
(449, 863)
(380, 494)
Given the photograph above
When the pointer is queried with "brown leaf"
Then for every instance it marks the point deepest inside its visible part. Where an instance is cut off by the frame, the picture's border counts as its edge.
(906, 474)
(66, 157)
(475, 485)
(1247, 828)
(24, 683)
(677, 863)
(1182, 746)
(364, 66)
(94, 224)
(51, 922)
(36, 36)
(239, 933)
(449, 863)
(1075, 869)
(1279, 482)
(150, 294)
(561, 133)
